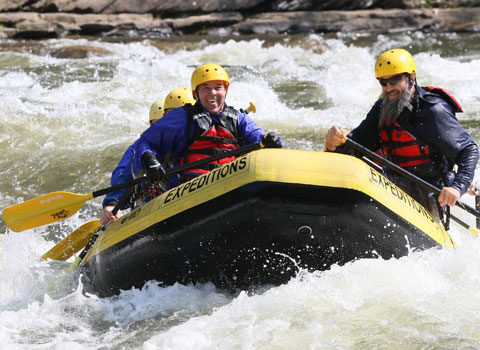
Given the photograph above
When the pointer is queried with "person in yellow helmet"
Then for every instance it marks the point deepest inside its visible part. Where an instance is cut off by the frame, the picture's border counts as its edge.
(123, 173)
(178, 98)
(415, 128)
(157, 110)
(194, 132)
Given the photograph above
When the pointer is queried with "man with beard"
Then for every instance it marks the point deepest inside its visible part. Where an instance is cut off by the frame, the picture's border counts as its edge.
(416, 129)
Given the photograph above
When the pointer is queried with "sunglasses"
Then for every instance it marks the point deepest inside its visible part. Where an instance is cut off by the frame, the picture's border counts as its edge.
(392, 80)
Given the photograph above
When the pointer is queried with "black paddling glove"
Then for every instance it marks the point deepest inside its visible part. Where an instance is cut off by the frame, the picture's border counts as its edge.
(271, 140)
(154, 170)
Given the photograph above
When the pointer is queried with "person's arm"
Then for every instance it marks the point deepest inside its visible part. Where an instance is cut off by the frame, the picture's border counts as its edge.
(122, 174)
(366, 134)
(442, 129)
(466, 161)
(165, 136)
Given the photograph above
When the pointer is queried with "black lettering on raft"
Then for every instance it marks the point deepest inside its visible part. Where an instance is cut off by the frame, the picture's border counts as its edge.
(395, 191)
(206, 179)
(193, 185)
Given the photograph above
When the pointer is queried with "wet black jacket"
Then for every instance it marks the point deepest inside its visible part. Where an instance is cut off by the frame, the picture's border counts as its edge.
(432, 121)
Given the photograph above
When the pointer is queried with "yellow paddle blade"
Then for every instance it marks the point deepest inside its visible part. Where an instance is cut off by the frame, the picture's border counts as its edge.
(43, 210)
(73, 242)
(473, 230)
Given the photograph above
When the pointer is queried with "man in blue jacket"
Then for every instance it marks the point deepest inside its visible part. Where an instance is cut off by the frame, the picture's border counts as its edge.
(191, 133)
(123, 172)
(416, 129)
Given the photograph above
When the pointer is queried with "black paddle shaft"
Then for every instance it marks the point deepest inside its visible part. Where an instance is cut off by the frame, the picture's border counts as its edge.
(357, 147)
(236, 152)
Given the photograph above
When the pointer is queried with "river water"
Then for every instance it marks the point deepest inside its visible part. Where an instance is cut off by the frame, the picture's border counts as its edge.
(65, 123)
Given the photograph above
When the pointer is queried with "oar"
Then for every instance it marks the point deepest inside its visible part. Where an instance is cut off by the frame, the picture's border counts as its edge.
(57, 206)
(49, 208)
(365, 151)
(464, 224)
(477, 206)
(73, 242)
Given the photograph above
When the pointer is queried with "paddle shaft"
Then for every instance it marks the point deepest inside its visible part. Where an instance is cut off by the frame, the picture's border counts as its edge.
(464, 224)
(357, 147)
(235, 152)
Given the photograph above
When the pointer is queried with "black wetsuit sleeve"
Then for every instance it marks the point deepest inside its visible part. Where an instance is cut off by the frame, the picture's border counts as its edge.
(466, 160)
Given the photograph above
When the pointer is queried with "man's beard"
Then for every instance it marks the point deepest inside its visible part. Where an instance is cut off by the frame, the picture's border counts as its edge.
(391, 109)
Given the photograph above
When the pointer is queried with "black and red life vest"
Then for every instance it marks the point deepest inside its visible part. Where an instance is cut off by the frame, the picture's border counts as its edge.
(403, 148)
(210, 137)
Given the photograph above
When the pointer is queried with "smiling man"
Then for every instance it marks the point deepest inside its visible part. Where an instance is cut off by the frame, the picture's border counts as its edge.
(194, 132)
(416, 129)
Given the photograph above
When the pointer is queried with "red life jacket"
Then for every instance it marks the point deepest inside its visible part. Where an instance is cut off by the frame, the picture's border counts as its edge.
(403, 148)
(210, 138)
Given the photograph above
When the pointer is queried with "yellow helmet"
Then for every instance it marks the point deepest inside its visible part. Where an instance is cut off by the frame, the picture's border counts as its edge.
(157, 110)
(209, 72)
(178, 98)
(394, 62)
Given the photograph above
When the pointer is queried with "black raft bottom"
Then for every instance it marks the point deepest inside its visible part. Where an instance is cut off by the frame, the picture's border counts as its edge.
(258, 234)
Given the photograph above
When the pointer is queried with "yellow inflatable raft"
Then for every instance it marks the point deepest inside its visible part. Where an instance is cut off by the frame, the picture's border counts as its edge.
(256, 219)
